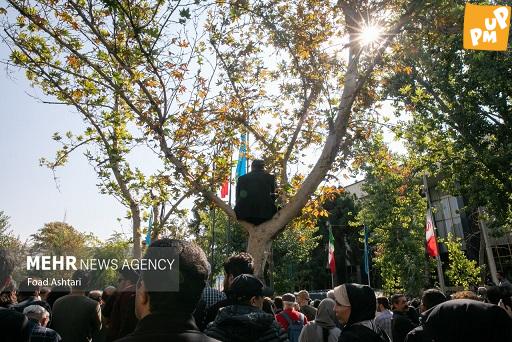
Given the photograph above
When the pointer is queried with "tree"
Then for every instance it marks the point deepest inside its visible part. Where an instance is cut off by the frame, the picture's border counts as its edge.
(342, 214)
(461, 271)
(394, 212)
(117, 247)
(460, 104)
(191, 103)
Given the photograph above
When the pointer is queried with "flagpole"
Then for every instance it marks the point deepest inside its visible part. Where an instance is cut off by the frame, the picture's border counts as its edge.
(438, 257)
(366, 254)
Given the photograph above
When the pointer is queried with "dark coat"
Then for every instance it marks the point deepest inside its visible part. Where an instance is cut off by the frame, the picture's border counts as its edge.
(175, 327)
(244, 323)
(14, 326)
(467, 320)
(255, 197)
(401, 324)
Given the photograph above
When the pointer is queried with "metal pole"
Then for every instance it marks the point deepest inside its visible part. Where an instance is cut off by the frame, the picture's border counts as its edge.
(438, 258)
(488, 249)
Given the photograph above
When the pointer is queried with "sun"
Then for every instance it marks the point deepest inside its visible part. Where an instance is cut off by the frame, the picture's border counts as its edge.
(370, 34)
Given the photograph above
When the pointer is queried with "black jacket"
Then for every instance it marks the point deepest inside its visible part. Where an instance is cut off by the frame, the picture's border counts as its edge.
(175, 327)
(255, 197)
(401, 324)
(363, 304)
(14, 326)
(467, 320)
(245, 324)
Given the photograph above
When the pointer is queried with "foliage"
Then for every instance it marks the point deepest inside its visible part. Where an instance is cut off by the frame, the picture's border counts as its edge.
(116, 247)
(189, 77)
(60, 239)
(342, 211)
(461, 271)
(13, 244)
(394, 212)
(230, 237)
(459, 106)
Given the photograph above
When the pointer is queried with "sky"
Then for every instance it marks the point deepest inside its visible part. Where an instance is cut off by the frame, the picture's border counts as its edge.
(29, 195)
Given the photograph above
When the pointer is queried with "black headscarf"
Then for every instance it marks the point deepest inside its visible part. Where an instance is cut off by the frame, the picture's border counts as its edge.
(362, 301)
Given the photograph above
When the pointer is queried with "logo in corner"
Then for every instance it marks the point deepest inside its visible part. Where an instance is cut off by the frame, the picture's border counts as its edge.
(486, 27)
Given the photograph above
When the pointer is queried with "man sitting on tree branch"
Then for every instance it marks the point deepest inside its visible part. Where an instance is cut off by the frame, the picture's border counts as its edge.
(256, 195)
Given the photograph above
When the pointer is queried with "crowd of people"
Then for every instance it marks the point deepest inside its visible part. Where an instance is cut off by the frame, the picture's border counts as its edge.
(244, 311)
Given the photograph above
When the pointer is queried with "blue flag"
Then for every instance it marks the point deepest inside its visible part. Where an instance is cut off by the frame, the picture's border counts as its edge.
(366, 252)
(150, 225)
(241, 166)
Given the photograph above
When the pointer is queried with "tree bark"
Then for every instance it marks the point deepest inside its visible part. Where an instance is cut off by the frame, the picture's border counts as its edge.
(137, 253)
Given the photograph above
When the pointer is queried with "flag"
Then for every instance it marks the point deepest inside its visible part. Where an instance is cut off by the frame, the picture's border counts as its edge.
(150, 225)
(366, 252)
(225, 188)
(241, 166)
(332, 262)
(430, 236)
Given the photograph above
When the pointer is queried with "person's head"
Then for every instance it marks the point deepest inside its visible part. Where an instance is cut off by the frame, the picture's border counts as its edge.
(37, 313)
(399, 302)
(107, 293)
(246, 289)
(465, 295)
(316, 303)
(500, 275)
(57, 292)
(95, 294)
(268, 306)
(303, 297)
(330, 294)
(193, 274)
(127, 277)
(241, 263)
(27, 288)
(6, 268)
(288, 301)
(258, 165)
(431, 298)
(382, 304)
(325, 315)
(81, 279)
(8, 296)
(278, 302)
(44, 292)
(494, 295)
(354, 303)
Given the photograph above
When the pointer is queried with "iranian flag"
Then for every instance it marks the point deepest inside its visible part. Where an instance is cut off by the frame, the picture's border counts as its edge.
(430, 236)
(332, 262)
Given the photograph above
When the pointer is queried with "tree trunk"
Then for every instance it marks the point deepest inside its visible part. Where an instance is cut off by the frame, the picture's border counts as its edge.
(258, 246)
(136, 231)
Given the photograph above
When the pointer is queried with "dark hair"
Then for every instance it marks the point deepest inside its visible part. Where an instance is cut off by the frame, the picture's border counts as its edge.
(241, 263)
(316, 303)
(278, 302)
(396, 298)
(82, 277)
(494, 294)
(268, 306)
(56, 293)
(432, 297)
(193, 274)
(27, 289)
(129, 274)
(6, 265)
(258, 164)
(384, 301)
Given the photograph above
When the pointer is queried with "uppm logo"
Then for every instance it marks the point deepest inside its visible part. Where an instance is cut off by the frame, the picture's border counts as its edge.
(486, 27)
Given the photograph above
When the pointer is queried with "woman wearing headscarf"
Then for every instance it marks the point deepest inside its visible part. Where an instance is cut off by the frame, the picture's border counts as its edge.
(355, 309)
(323, 328)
